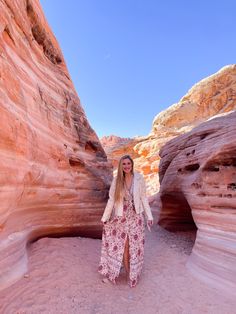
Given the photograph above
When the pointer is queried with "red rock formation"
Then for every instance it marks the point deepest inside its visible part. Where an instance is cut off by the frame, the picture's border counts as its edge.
(214, 95)
(116, 147)
(113, 141)
(198, 186)
(54, 172)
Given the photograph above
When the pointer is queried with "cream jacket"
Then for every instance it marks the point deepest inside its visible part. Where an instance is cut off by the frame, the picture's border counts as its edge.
(140, 200)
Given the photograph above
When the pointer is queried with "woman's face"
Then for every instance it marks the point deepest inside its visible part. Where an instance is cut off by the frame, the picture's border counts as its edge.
(127, 165)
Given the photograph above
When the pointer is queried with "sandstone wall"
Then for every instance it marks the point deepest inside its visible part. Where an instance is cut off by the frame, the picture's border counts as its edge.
(116, 147)
(213, 95)
(198, 187)
(54, 174)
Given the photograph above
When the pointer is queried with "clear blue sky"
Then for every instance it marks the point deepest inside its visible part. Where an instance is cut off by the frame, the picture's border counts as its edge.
(130, 59)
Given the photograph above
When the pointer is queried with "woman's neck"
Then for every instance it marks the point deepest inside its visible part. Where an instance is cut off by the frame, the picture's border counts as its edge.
(128, 175)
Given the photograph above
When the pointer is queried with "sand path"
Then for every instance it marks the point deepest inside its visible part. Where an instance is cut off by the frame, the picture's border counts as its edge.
(63, 278)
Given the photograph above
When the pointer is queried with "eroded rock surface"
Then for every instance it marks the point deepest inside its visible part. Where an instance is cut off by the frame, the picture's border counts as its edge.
(116, 147)
(213, 95)
(198, 187)
(54, 173)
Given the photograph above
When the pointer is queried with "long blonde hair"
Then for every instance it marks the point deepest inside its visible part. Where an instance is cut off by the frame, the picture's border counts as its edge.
(120, 180)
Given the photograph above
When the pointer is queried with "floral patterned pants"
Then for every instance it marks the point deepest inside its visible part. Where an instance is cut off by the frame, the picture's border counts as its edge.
(115, 233)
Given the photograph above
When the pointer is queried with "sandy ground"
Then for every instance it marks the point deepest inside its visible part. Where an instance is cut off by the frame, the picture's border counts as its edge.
(63, 278)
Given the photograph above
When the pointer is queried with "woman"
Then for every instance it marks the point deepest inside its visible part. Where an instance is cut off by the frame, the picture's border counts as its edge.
(123, 229)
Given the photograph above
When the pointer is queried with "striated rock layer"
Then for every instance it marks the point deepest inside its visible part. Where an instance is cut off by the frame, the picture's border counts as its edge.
(116, 147)
(54, 174)
(198, 187)
(213, 95)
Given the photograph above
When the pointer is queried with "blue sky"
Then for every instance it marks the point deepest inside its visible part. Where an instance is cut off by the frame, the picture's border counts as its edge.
(131, 59)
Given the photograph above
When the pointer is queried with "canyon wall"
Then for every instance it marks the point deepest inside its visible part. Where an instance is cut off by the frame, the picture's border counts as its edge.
(213, 95)
(198, 187)
(53, 170)
(116, 147)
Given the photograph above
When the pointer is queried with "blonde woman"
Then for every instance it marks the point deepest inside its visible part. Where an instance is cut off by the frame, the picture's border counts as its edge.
(123, 229)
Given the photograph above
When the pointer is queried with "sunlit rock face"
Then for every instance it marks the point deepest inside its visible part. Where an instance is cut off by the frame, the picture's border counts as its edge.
(213, 95)
(54, 173)
(198, 187)
(116, 147)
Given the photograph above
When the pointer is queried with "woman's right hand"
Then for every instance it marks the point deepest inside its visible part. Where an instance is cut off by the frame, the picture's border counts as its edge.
(149, 224)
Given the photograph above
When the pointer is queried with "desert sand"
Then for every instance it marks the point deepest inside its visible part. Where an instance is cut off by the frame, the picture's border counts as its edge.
(63, 278)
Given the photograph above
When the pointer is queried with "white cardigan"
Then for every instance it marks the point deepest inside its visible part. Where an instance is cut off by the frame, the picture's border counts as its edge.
(140, 200)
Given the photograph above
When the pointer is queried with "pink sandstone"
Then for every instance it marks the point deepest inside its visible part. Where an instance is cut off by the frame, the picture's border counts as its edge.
(198, 187)
(54, 172)
(116, 146)
(213, 95)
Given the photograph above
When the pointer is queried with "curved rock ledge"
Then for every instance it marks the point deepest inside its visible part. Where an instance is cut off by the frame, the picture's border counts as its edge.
(54, 174)
(198, 187)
